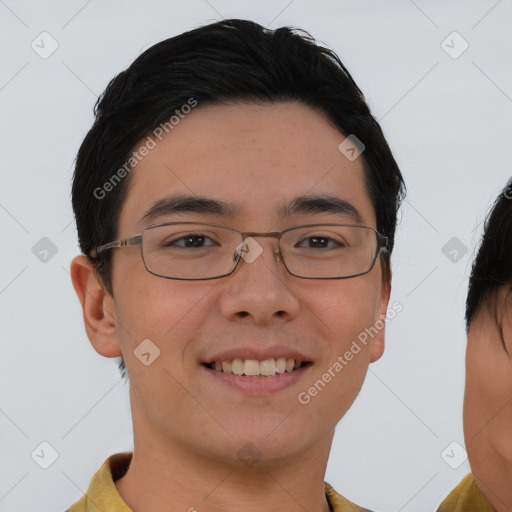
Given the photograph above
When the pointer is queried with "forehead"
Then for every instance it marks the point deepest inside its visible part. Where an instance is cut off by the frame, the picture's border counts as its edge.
(254, 157)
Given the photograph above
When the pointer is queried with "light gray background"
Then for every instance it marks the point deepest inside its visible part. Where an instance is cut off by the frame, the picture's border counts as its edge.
(448, 121)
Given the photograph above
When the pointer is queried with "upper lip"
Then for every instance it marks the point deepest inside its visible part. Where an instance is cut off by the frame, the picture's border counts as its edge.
(260, 354)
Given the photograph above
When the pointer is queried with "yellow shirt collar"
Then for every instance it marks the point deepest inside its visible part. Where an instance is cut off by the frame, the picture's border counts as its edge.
(103, 495)
(466, 496)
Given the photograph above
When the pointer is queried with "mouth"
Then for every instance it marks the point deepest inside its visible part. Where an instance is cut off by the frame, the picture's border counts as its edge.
(257, 368)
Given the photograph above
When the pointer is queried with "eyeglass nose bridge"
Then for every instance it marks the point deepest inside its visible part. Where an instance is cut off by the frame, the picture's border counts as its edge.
(240, 250)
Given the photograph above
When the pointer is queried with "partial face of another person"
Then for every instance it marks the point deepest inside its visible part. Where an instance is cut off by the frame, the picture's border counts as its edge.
(488, 398)
(258, 159)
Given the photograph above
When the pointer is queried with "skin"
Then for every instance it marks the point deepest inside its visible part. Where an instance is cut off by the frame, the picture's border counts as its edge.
(488, 401)
(188, 428)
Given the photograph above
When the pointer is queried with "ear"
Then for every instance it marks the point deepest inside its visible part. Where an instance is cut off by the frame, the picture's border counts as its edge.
(97, 306)
(379, 339)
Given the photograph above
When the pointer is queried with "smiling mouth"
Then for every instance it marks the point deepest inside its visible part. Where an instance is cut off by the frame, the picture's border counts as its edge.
(255, 368)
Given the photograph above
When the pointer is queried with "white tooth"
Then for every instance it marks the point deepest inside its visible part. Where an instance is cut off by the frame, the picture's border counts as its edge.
(226, 366)
(290, 364)
(251, 367)
(268, 367)
(218, 366)
(297, 364)
(280, 365)
(237, 367)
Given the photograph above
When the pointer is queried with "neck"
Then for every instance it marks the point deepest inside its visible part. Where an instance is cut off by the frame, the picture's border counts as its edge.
(493, 478)
(167, 476)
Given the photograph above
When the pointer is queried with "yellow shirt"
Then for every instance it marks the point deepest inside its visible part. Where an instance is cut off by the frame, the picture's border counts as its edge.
(102, 494)
(466, 497)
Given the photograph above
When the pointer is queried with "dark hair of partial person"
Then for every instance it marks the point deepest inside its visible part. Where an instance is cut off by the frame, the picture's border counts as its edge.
(492, 268)
(230, 61)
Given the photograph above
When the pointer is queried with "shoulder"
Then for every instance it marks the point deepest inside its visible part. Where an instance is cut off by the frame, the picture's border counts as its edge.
(340, 504)
(102, 493)
(466, 497)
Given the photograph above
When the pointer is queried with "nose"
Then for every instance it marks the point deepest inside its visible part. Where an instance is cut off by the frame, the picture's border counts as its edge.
(260, 289)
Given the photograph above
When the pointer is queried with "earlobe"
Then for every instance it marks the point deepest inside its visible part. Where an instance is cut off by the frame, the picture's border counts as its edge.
(97, 307)
(377, 347)
(379, 340)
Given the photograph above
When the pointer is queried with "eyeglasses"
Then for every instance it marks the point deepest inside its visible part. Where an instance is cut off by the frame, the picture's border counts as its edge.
(199, 251)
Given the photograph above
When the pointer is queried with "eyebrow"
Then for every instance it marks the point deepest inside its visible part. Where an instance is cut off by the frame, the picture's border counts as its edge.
(320, 204)
(188, 204)
(301, 205)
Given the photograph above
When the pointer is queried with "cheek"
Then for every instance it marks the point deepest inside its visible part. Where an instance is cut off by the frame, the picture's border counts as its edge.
(168, 314)
(347, 313)
(337, 380)
(348, 309)
(488, 402)
(149, 307)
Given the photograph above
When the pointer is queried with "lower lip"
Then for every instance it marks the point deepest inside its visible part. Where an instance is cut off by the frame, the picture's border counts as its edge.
(259, 385)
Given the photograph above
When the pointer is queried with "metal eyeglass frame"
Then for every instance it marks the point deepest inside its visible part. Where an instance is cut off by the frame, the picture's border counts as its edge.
(382, 242)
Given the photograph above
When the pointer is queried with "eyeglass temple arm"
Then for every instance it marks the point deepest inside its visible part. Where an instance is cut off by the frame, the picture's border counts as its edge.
(133, 240)
(383, 243)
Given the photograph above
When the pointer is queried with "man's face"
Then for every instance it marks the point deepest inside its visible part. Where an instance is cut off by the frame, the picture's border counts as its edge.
(257, 159)
(488, 399)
